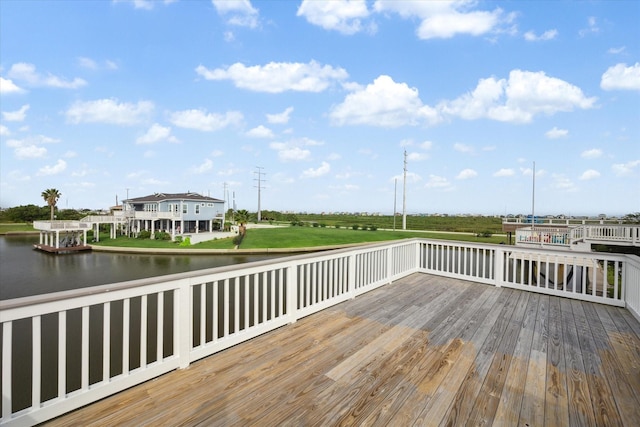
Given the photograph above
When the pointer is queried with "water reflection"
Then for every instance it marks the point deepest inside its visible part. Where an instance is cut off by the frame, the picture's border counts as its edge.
(25, 271)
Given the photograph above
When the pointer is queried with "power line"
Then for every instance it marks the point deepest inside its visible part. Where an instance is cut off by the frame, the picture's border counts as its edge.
(260, 174)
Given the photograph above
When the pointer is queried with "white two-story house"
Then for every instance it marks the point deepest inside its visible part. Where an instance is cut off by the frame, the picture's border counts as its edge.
(180, 213)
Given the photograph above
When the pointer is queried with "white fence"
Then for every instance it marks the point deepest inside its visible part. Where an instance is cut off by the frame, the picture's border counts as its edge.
(615, 234)
(65, 350)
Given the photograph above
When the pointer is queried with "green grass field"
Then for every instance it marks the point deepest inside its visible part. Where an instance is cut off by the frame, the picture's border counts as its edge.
(298, 237)
(15, 227)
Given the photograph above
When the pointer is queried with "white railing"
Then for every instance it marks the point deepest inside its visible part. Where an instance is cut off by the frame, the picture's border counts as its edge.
(155, 215)
(60, 225)
(620, 234)
(543, 235)
(64, 350)
(103, 219)
(561, 221)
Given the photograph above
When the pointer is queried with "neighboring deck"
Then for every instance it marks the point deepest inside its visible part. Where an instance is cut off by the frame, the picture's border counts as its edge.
(424, 350)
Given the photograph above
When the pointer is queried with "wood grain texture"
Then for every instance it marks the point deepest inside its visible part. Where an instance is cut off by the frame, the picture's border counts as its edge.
(422, 351)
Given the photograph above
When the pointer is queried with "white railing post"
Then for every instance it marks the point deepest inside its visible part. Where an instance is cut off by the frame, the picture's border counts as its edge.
(351, 277)
(498, 268)
(182, 323)
(390, 266)
(292, 292)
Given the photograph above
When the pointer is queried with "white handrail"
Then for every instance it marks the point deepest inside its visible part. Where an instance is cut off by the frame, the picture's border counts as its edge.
(183, 317)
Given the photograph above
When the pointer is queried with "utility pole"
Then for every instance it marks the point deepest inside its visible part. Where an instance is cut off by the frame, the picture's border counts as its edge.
(404, 194)
(533, 198)
(395, 200)
(260, 187)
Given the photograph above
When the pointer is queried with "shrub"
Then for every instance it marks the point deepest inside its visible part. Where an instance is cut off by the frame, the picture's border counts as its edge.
(316, 225)
(186, 241)
(485, 233)
(161, 235)
(323, 225)
(178, 239)
(337, 226)
(355, 226)
(373, 228)
(144, 234)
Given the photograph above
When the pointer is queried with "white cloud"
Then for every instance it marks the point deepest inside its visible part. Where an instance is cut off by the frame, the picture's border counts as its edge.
(592, 27)
(621, 77)
(260, 132)
(156, 133)
(7, 86)
(547, 35)
(412, 178)
(239, 12)
(91, 64)
(440, 19)
(617, 50)
(59, 167)
(288, 152)
(144, 4)
(519, 99)
(280, 118)
(463, 148)
(504, 172)
(438, 182)
(30, 147)
(109, 111)
(323, 169)
(467, 174)
(206, 166)
(384, 103)
(416, 157)
(27, 73)
(277, 77)
(562, 183)
(589, 174)
(4, 131)
(622, 169)
(556, 133)
(593, 153)
(201, 120)
(16, 116)
(344, 16)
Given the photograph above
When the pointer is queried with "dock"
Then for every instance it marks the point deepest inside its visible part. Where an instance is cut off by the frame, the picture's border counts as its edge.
(425, 350)
(61, 250)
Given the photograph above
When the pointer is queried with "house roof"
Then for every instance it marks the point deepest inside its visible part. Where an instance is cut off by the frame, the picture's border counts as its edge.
(160, 197)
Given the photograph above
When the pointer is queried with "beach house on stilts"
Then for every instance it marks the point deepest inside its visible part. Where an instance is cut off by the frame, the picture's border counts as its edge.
(177, 213)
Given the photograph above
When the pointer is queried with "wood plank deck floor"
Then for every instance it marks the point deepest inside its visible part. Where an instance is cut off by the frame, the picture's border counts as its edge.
(424, 351)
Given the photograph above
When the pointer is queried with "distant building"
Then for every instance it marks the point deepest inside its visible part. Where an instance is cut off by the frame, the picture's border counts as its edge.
(174, 213)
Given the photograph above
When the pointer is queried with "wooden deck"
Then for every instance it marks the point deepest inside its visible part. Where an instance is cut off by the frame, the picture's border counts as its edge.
(425, 350)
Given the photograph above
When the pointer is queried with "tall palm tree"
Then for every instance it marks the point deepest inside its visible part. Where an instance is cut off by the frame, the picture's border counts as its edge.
(51, 196)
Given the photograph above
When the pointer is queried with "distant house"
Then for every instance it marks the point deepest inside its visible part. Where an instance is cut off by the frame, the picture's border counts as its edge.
(179, 213)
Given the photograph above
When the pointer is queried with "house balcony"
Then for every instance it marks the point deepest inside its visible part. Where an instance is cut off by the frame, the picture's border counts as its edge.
(413, 332)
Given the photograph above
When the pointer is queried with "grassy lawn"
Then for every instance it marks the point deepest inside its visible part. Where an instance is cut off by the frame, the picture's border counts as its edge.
(15, 227)
(298, 237)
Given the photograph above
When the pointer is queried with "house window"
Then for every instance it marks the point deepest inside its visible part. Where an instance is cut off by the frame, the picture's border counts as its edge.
(151, 207)
(197, 209)
(210, 205)
(185, 208)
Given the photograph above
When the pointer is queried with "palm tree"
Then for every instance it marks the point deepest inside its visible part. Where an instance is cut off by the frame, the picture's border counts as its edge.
(51, 196)
(242, 216)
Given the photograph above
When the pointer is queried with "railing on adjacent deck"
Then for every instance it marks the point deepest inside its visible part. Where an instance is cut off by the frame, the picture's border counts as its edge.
(615, 234)
(543, 235)
(60, 225)
(65, 350)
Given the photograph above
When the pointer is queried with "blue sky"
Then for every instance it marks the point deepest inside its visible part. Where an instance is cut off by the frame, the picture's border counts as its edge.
(101, 99)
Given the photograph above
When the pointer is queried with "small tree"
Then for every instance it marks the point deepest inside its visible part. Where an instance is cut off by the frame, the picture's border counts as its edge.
(51, 196)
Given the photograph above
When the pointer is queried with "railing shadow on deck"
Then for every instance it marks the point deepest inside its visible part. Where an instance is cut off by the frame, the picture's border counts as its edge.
(65, 350)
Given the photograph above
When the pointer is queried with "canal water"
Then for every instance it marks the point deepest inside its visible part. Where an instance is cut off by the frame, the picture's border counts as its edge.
(25, 271)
